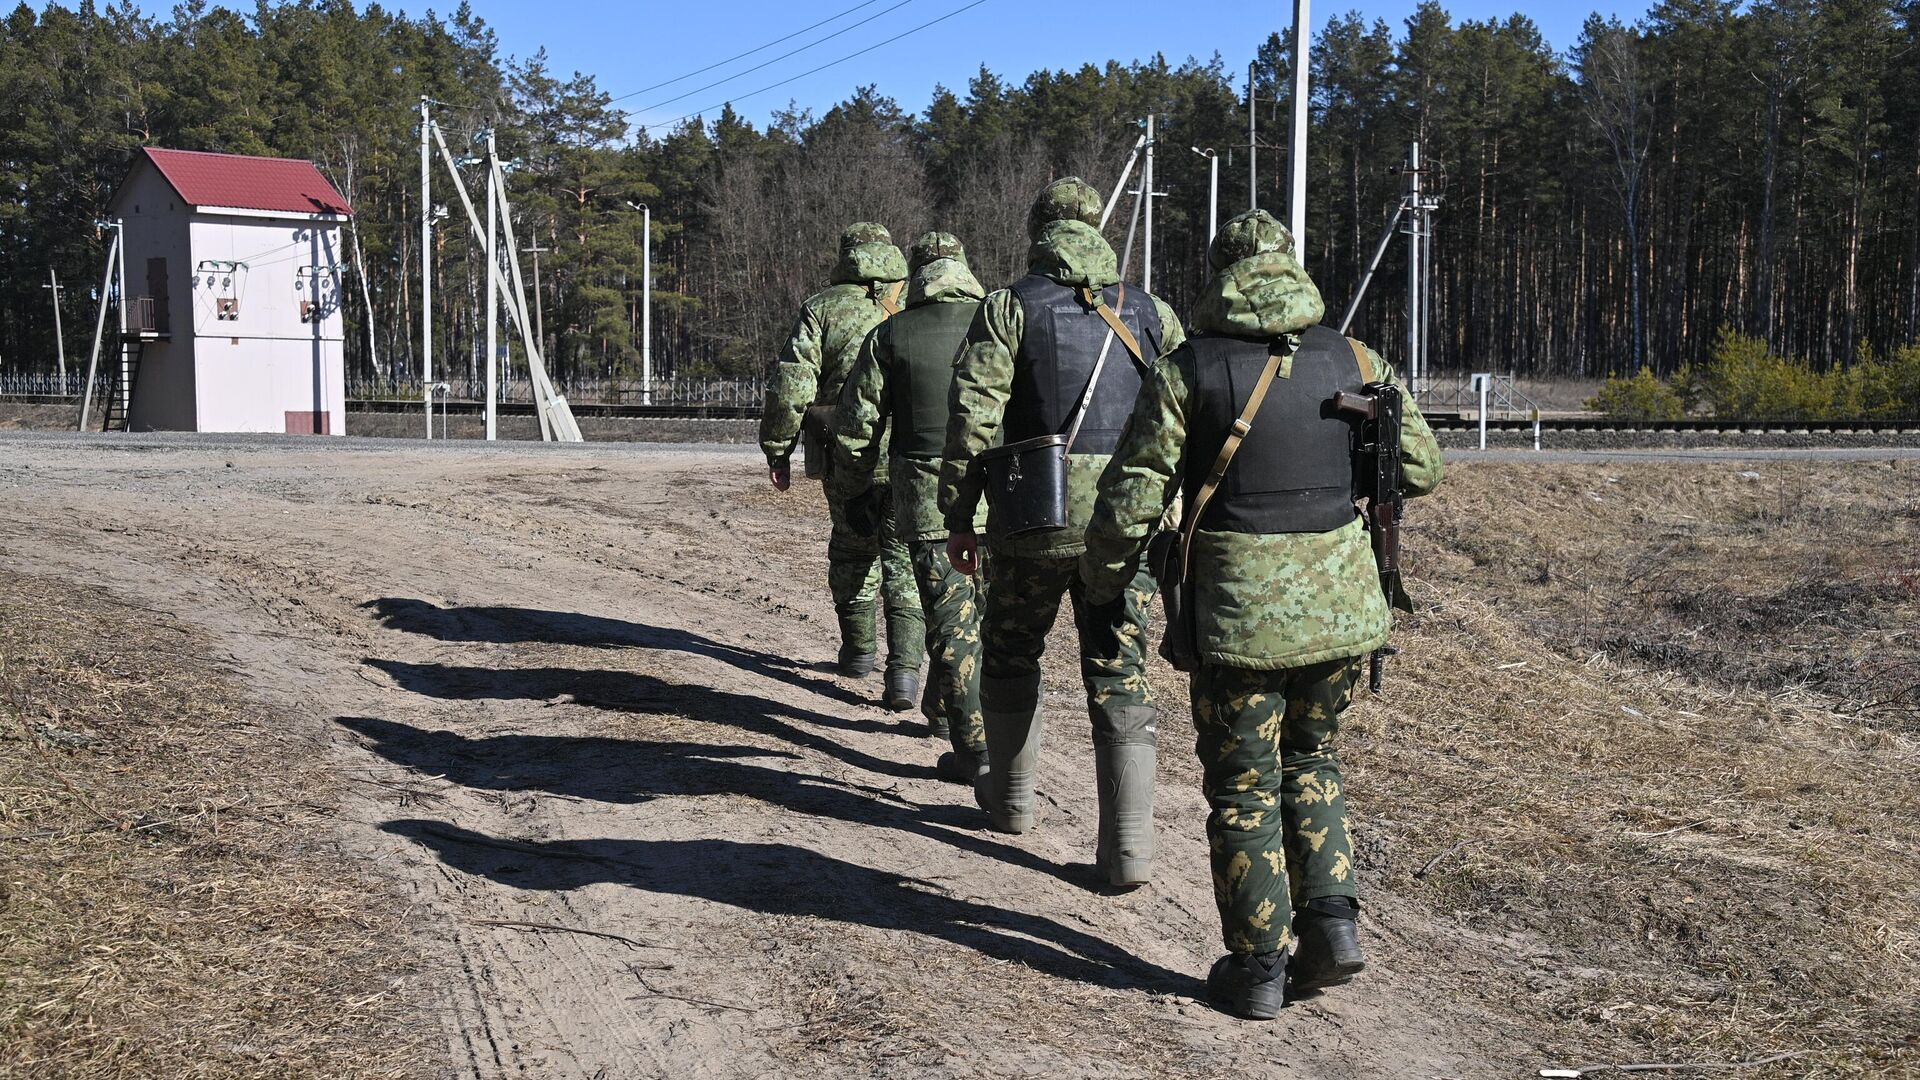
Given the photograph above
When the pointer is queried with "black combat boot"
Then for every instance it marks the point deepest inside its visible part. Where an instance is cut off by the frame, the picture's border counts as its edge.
(855, 665)
(903, 689)
(1125, 774)
(962, 766)
(1011, 710)
(1249, 987)
(1329, 952)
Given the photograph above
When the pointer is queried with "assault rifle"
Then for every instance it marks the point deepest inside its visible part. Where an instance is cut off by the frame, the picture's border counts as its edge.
(1377, 450)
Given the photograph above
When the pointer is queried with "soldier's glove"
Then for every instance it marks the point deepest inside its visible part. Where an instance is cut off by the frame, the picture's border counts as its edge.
(862, 512)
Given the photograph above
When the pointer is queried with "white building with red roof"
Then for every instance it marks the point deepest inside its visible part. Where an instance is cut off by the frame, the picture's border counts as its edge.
(233, 278)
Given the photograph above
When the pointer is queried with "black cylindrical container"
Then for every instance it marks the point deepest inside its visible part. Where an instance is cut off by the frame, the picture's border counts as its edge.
(1027, 485)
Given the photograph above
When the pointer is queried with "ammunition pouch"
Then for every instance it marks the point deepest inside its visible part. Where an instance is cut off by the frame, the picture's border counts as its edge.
(816, 436)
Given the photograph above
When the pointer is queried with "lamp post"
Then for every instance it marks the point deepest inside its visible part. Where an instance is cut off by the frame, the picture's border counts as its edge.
(1213, 189)
(646, 301)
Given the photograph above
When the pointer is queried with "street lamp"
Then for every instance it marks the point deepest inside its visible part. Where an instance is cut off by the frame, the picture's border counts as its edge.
(1213, 189)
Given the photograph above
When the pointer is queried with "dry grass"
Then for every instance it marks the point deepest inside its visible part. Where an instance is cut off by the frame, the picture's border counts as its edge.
(1652, 756)
(163, 913)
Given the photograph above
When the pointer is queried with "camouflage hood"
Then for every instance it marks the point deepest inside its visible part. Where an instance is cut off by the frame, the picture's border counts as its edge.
(1261, 296)
(862, 264)
(946, 281)
(1074, 254)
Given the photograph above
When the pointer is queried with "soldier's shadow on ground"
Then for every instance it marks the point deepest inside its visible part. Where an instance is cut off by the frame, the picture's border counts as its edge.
(636, 771)
(632, 691)
(781, 879)
(503, 625)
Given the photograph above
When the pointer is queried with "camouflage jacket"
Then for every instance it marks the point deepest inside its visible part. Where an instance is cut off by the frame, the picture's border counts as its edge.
(1071, 253)
(1260, 601)
(866, 402)
(825, 339)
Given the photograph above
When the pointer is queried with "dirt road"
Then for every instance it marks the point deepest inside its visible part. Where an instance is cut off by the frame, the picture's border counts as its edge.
(579, 707)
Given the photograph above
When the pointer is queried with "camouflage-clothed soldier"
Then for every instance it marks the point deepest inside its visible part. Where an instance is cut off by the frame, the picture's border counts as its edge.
(898, 390)
(1029, 355)
(1286, 599)
(864, 561)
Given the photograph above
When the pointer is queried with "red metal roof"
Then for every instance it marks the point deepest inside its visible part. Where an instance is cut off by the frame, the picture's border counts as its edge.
(290, 185)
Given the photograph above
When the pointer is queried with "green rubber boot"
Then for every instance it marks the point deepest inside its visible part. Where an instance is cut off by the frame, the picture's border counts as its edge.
(1011, 711)
(1124, 855)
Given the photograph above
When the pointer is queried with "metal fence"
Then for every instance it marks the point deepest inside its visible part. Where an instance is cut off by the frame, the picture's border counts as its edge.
(18, 384)
(678, 392)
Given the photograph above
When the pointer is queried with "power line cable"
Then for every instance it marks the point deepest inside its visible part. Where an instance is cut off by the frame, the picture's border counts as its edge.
(828, 64)
(763, 63)
(744, 55)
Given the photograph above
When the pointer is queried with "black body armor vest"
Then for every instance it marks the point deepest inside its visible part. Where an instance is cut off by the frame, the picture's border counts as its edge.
(1058, 348)
(1294, 471)
(925, 339)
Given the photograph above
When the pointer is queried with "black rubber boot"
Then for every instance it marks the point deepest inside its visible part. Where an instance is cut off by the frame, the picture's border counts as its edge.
(938, 728)
(962, 766)
(903, 690)
(1249, 987)
(1329, 953)
(1125, 774)
(1011, 711)
(855, 665)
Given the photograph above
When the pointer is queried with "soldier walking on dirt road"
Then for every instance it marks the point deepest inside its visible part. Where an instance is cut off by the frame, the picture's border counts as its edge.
(899, 386)
(1285, 596)
(1053, 363)
(865, 561)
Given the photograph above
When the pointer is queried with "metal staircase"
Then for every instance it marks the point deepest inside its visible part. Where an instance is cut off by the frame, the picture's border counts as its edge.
(120, 399)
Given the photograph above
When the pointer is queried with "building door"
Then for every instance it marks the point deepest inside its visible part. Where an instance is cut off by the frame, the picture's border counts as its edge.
(157, 289)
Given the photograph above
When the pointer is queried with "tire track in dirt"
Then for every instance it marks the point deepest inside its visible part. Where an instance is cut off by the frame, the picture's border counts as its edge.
(605, 665)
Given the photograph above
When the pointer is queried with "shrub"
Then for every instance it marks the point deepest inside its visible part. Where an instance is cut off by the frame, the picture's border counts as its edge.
(1643, 397)
(1745, 379)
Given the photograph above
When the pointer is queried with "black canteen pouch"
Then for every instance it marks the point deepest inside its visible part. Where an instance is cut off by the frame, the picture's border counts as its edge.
(816, 436)
(1167, 562)
(1026, 485)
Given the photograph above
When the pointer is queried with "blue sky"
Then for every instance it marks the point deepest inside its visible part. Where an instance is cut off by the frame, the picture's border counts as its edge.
(628, 47)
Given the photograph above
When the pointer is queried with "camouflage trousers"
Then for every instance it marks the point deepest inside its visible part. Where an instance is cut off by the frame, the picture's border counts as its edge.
(1023, 599)
(951, 601)
(1278, 832)
(863, 572)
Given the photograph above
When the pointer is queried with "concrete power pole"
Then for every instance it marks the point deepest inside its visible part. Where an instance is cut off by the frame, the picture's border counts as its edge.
(1146, 192)
(426, 271)
(646, 304)
(1213, 189)
(1416, 364)
(493, 296)
(59, 336)
(539, 307)
(1301, 16)
(1253, 143)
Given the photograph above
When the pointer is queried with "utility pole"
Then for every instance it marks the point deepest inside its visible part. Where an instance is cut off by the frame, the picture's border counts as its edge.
(59, 336)
(1146, 192)
(1253, 142)
(100, 324)
(493, 296)
(426, 271)
(1213, 189)
(1298, 192)
(539, 308)
(1415, 362)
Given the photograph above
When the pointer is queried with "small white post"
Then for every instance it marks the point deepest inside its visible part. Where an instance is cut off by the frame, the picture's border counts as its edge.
(493, 298)
(1536, 428)
(646, 304)
(1480, 383)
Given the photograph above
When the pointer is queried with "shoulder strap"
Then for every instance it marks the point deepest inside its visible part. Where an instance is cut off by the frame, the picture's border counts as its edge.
(1361, 358)
(1276, 353)
(1119, 328)
(889, 299)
